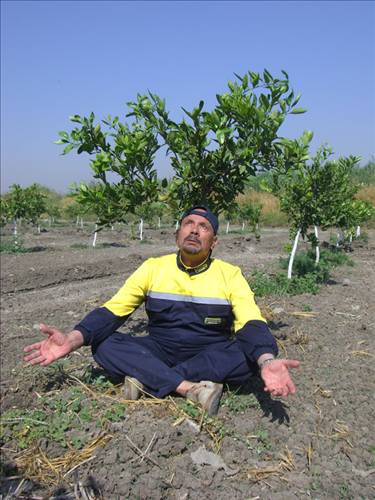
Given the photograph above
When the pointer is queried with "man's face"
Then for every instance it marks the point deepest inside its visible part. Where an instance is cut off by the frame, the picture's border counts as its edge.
(195, 235)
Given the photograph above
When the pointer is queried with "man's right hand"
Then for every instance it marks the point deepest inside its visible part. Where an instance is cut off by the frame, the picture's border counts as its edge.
(55, 346)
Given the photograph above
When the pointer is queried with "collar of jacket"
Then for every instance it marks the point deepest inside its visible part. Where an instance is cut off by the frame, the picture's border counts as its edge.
(192, 271)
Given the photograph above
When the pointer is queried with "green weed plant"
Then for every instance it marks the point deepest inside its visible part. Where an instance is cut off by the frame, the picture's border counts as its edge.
(239, 403)
(61, 418)
(12, 246)
(264, 284)
(308, 277)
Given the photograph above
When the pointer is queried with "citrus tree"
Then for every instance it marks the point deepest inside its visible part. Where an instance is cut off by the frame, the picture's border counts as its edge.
(36, 204)
(26, 204)
(250, 213)
(353, 213)
(4, 212)
(316, 194)
(212, 153)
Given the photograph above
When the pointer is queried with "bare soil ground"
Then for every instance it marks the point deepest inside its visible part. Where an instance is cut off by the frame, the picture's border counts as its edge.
(318, 444)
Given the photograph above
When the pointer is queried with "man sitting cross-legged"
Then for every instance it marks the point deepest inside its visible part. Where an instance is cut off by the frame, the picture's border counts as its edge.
(204, 326)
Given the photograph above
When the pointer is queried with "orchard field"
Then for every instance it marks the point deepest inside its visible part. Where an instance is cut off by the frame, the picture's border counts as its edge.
(67, 432)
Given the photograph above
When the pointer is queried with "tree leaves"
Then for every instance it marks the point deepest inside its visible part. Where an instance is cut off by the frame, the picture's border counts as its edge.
(319, 192)
(212, 153)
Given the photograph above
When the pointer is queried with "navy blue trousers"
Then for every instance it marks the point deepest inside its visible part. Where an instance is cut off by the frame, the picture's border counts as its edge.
(161, 367)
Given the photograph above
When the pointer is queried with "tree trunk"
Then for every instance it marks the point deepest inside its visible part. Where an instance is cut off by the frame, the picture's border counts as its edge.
(227, 230)
(358, 232)
(339, 238)
(15, 234)
(159, 222)
(243, 227)
(95, 236)
(81, 223)
(141, 230)
(317, 249)
(293, 253)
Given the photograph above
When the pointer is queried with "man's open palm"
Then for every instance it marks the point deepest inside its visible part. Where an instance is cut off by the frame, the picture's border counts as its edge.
(55, 346)
(276, 377)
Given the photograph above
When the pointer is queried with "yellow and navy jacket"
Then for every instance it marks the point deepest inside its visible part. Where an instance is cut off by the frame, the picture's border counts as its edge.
(186, 307)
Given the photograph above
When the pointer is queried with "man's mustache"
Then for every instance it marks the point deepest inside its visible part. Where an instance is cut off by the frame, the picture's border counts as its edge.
(191, 238)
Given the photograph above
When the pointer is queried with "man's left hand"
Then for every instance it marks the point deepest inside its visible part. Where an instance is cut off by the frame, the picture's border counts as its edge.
(276, 378)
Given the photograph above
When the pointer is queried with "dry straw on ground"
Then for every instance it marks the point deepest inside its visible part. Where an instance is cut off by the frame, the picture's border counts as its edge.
(51, 471)
(286, 464)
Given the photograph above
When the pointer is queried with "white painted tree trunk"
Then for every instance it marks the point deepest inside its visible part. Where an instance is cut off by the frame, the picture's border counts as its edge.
(159, 222)
(339, 238)
(317, 248)
(38, 228)
(95, 236)
(141, 230)
(49, 222)
(176, 225)
(112, 227)
(81, 223)
(350, 238)
(358, 232)
(243, 227)
(15, 233)
(77, 221)
(227, 229)
(293, 253)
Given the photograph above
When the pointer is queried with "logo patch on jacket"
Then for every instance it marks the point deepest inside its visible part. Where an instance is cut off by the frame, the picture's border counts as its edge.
(213, 321)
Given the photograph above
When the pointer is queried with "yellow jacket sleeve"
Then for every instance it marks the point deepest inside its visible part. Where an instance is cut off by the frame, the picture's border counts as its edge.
(242, 300)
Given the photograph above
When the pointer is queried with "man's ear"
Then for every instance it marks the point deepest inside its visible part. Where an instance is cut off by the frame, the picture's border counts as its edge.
(214, 242)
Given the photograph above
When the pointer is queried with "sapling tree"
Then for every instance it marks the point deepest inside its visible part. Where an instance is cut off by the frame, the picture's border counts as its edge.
(353, 213)
(98, 199)
(73, 210)
(17, 208)
(145, 214)
(26, 204)
(212, 153)
(36, 204)
(4, 212)
(250, 213)
(53, 211)
(158, 210)
(230, 215)
(315, 194)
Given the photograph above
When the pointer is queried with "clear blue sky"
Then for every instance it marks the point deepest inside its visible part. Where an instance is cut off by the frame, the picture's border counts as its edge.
(64, 57)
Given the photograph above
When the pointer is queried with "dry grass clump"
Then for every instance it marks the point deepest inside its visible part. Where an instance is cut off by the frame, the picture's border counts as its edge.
(367, 194)
(286, 464)
(268, 201)
(271, 214)
(51, 471)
